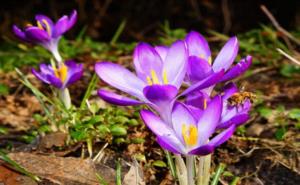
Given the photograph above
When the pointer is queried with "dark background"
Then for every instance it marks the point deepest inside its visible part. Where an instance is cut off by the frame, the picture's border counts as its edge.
(145, 17)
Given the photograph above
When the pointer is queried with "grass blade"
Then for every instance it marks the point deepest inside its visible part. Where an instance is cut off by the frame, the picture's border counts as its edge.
(218, 173)
(118, 173)
(17, 167)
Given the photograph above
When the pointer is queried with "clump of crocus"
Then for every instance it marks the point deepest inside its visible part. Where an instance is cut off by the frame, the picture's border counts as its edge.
(60, 77)
(160, 73)
(46, 33)
(189, 135)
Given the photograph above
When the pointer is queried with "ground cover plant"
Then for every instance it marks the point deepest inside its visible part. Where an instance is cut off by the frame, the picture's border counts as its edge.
(185, 101)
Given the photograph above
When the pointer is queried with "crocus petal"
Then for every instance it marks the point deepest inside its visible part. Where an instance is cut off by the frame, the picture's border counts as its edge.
(72, 19)
(209, 119)
(197, 99)
(117, 99)
(120, 78)
(197, 45)
(198, 69)
(147, 60)
(40, 76)
(42, 18)
(222, 137)
(238, 69)
(160, 94)
(202, 150)
(75, 71)
(207, 82)
(161, 130)
(37, 35)
(229, 90)
(175, 64)
(61, 26)
(227, 55)
(215, 142)
(236, 120)
(164, 143)
(162, 51)
(19, 33)
(56, 82)
(181, 116)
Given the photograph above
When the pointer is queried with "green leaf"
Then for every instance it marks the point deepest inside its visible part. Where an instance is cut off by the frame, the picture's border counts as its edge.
(280, 133)
(265, 112)
(4, 90)
(294, 114)
(159, 163)
(3, 130)
(138, 140)
(117, 130)
(103, 129)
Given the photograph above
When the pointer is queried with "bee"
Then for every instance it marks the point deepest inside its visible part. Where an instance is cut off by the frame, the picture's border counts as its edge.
(240, 97)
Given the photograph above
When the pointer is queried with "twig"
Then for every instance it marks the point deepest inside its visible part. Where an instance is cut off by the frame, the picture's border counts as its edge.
(277, 25)
(289, 56)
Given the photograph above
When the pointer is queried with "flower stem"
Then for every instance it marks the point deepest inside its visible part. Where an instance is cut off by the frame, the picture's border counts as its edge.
(57, 56)
(190, 169)
(64, 96)
(181, 170)
(203, 174)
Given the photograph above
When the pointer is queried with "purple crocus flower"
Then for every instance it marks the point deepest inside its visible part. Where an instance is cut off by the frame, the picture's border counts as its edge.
(66, 74)
(231, 114)
(46, 33)
(200, 60)
(159, 74)
(188, 135)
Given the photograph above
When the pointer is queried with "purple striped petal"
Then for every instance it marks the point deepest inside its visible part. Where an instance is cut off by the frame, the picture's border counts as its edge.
(164, 143)
(197, 99)
(238, 69)
(207, 82)
(120, 78)
(162, 51)
(162, 131)
(236, 120)
(175, 64)
(180, 116)
(160, 94)
(197, 45)
(209, 119)
(215, 142)
(40, 76)
(56, 82)
(198, 69)
(227, 55)
(117, 99)
(146, 59)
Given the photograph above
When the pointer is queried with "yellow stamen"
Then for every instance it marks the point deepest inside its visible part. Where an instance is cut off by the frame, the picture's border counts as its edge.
(154, 77)
(28, 25)
(48, 28)
(165, 77)
(149, 80)
(209, 60)
(61, 72)
(39, 25)
(204, 104)
(190, 135)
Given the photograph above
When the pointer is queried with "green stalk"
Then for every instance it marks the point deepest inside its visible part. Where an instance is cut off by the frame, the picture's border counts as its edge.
(218, 173)
(171, 164)
(118, 173)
